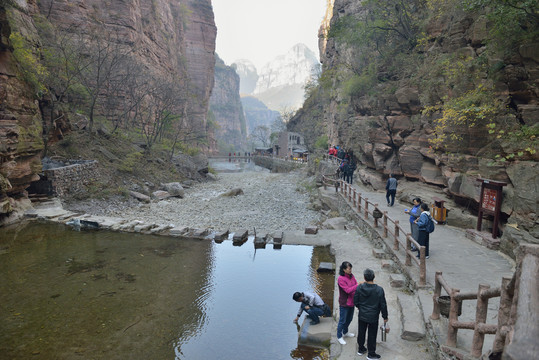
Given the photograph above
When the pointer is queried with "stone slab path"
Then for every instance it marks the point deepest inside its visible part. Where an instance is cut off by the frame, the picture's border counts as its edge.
(464, 264)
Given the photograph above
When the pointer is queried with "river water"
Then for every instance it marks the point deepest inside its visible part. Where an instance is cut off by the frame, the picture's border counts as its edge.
(102, 295)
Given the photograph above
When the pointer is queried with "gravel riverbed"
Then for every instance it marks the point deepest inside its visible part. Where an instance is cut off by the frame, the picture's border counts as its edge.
(270, 202)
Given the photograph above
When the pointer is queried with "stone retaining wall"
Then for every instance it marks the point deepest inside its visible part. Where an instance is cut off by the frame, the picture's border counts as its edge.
(68, 180)
(276, 165)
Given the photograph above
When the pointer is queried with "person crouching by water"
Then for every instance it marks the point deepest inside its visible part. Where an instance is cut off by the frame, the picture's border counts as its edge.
(347, 288)
(370, 300)
(312, 304)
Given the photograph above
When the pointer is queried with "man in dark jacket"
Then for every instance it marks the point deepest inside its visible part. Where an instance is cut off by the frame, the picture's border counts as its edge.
(391, 190)
(370, 300)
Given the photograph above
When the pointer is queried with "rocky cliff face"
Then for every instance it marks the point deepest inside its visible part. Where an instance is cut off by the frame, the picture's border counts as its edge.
(167, 37)
(257, 113)
(20, 124)
(384, 122)
(226, 106)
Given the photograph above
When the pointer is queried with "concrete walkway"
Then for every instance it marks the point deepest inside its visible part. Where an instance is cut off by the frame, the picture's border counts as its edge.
(464, 263)
(350, 245)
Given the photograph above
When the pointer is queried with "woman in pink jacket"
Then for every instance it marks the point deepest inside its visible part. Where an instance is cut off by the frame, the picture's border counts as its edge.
(347, 287)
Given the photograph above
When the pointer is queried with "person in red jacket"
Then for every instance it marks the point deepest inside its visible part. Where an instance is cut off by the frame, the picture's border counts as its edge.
(347, 288)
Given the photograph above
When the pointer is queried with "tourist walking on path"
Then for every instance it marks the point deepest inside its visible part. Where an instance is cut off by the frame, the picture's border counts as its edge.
(312, 304)
(414, 213)
(344, 169)
(347, 288)
(423, 223)
(349, 174)
(370, 300)
(391, 189)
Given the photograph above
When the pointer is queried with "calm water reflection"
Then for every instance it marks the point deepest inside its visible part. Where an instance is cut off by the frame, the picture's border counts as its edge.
(100, 295)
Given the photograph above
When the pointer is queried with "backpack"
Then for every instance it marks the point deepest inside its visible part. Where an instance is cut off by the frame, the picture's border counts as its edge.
(430, 225)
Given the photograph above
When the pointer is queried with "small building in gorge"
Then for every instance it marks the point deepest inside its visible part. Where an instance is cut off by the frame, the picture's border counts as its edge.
(290, 144)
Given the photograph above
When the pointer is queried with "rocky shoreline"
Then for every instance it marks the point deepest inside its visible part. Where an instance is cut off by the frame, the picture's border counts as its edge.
(270, 202)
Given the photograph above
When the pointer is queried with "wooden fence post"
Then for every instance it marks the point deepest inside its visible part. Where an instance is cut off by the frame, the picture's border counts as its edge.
(385, 224)
(480, 318)
(437, 293)
(354, 202)
(504, 313)
(359, 203)
(453, 318)
(396, 239)
(407, 252)
(366, 209)
(422, 267)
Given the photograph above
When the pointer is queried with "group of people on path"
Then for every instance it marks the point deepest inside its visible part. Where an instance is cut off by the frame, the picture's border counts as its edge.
(421, 224)
(347, 163)
(368, 297)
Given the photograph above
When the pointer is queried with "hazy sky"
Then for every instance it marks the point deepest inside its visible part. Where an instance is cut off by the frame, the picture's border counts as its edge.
(259, 30)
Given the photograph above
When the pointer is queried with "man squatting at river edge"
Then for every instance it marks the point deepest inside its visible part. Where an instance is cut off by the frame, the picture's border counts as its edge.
(312, 304)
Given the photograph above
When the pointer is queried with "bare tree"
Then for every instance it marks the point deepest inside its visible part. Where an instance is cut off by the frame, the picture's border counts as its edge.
(104, 58)
(261, 134)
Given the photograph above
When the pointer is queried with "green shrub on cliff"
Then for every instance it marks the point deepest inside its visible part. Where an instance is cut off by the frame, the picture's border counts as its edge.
(129, 163)
(512, 22)
(30, 68)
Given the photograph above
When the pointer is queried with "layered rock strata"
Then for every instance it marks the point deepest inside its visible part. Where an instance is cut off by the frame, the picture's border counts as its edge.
(167, 37)
(390, 134)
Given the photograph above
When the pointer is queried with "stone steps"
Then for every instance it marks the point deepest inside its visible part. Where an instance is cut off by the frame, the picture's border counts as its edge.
(413, 327)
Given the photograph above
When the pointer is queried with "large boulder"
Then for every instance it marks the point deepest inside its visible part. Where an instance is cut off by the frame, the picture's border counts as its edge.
(407, 95)
(411, 161)
(140, 197)
(373, 178)
(464, 186)
(174, 189)
(430, 173)
(160, 195)
(233, 192)
(523, 176)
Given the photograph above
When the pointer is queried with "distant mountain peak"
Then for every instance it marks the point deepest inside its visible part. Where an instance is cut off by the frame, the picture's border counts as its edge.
(248, 75)
(287, 74)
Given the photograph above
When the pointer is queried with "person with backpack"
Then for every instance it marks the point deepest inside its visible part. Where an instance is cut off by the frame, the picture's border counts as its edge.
(345, 168)
(425, 225)
(340, 154)
(348, 176)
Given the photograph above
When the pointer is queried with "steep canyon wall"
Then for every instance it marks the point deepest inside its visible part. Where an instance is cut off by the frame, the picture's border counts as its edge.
(385, 123)
(226, 106)
(168, 38)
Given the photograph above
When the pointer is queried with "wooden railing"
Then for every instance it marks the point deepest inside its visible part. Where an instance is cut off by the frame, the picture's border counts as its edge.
(402, 240)
(332, 159)
(479, 326)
